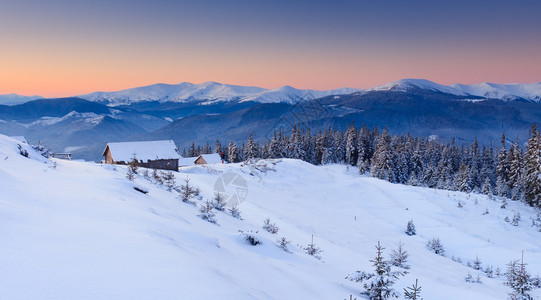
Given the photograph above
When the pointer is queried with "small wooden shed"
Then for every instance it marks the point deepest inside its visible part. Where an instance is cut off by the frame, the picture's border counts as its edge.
(149, 154)
(202, 159)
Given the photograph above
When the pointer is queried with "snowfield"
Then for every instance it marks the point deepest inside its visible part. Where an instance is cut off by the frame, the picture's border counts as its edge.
(78, 230)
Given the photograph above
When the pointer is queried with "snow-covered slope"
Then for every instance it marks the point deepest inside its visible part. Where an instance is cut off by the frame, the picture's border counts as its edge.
(13, 99)
(208, 92)
(81, 231)
(513, 91)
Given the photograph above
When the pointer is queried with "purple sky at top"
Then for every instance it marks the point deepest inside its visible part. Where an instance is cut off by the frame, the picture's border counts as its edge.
(62, 48)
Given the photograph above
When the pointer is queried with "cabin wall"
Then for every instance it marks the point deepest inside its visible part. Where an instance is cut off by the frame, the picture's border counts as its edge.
(163, 164)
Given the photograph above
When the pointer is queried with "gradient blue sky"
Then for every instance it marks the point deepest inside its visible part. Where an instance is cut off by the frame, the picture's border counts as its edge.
(62, 48)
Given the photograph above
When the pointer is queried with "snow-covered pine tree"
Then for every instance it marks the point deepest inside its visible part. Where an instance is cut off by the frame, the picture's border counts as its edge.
(313, 250)
(399, 257)
(270, 227)
(232, 153)
(518, 279)
(435, 246)
(207, 213)
(219, 202)
(235, 212)
(351, 145)
(169, 180)
(187, 191)
(132, 168)
(532, 169)
(413, 292)
(378, 285)
(252, 148)
(410, 228)
(283, 244)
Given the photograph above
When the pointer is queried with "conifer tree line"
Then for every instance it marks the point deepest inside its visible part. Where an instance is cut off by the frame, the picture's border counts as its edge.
(509, 171)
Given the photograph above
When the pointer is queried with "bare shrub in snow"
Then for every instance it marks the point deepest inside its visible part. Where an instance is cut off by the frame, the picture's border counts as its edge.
(250, 237)
(283, 244)
(410, 228)
(378, 285)
(207, 213)
(435, 246)
(399, 257)
(270, 227)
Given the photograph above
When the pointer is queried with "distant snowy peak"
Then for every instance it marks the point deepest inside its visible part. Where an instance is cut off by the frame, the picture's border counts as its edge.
(506, 92)
(14, 99)
(209, 92)
(512, 91)
(406, 85)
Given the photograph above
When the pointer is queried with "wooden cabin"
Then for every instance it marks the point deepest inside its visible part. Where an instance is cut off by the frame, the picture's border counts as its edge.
(149, 154)
(202, 159)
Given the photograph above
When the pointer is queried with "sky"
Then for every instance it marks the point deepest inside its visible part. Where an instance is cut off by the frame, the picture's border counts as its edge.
(60, 48)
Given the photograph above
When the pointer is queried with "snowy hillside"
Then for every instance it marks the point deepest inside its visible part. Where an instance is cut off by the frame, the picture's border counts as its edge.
(208, 92)
(75, 230)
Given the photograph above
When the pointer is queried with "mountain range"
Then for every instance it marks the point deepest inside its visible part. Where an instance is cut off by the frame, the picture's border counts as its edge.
(202, 113)
(213, 92)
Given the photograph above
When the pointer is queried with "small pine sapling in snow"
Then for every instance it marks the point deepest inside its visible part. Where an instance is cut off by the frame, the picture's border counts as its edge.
(169, 180)
(207, 213)
(485, 212)
(188, 192)
(516, 219)
(132, 168)
(235, 212)
(460, 204)
(378, 285)
(410, 228)
(157, 177)
(413, 292)
(504, 203)
(399, 257)
(470, 279)
(270, 227)
(435, 246)
(313, 250)
(146, 174)
(283, 244)
(219, 201)
(477, 265)
(489, 272)
(507, 219)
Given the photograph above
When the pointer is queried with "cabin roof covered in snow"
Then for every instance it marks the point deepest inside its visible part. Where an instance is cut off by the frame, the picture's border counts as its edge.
(147, 150)
(213, 158)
